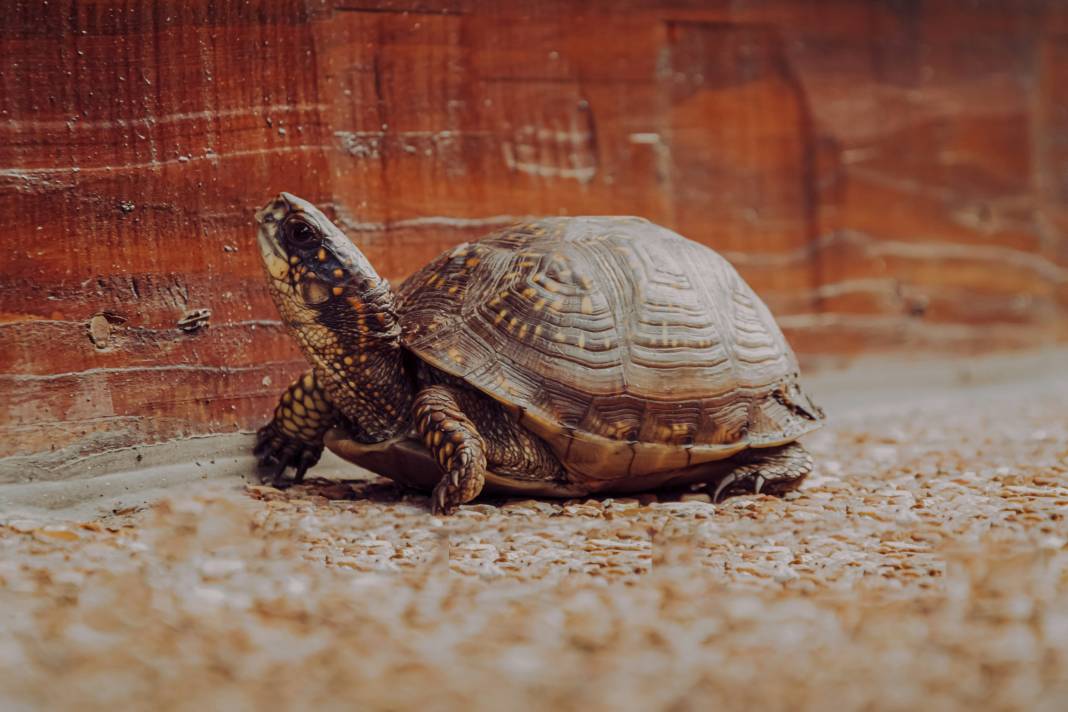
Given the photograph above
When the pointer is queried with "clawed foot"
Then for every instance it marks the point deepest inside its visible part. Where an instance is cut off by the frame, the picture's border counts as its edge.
(773, 471)
(462, 484)
(279, 451)
(735, 482)
(453, 439)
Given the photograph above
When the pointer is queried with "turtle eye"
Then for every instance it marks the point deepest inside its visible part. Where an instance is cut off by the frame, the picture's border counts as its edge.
(300, 234)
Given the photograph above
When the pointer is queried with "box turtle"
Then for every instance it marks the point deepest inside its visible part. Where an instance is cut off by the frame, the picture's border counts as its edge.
(562, 357)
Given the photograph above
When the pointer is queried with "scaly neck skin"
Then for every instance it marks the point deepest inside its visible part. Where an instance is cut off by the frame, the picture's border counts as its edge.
(355, 346)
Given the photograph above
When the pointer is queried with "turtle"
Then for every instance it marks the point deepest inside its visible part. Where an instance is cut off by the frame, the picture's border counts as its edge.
(560, 357)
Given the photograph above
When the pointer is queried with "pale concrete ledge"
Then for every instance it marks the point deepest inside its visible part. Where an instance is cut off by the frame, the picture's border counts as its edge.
(135, 476)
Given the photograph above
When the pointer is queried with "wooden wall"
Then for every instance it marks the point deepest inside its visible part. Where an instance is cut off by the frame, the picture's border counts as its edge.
(888, 175)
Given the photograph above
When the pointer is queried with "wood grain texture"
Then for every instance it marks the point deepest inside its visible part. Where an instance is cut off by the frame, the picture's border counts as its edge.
(887, 176)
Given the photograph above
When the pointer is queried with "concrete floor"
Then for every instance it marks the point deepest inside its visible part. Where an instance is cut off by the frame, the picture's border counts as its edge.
(924, 564)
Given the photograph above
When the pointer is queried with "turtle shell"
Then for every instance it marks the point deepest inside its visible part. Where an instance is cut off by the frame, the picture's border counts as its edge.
(628, 348)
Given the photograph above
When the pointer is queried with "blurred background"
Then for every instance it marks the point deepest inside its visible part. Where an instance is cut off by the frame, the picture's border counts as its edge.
(891, 177)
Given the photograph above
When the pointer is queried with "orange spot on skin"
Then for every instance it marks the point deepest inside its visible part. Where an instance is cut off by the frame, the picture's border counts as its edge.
(472, 262)
(338, 291)
(321, 254)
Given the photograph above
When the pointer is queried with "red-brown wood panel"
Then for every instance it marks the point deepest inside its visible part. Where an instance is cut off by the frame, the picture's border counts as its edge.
(889, 176)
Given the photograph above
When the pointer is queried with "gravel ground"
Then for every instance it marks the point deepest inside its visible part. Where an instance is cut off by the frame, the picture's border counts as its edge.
(924, 564)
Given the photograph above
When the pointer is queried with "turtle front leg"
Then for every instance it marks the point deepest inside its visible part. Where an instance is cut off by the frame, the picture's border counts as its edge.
(294, 437)
(453, 439)
(771, 470)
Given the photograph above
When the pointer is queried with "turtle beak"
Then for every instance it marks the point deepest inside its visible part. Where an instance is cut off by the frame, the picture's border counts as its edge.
(277, 210)
(295, 204)
(268, 219)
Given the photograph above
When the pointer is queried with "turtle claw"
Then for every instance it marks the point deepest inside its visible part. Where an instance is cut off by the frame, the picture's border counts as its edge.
(439, 501)
(278, 479)
(734, 478)
(723, 485)
(455, 487)
(280, 451)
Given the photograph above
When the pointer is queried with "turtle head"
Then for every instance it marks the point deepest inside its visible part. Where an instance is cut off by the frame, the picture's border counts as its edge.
(310, 263)
(339, 310)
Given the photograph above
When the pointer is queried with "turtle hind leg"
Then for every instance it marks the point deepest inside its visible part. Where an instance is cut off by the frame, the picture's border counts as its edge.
(772, 471)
